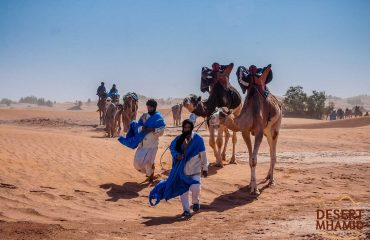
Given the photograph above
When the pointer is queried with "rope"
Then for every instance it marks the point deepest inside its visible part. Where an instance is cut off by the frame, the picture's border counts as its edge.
(199, 125)
(160, 160)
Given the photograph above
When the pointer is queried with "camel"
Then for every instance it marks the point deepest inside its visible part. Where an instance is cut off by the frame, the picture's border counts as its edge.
(259, 116)
(327, 112)
(101, 109)
(117, 119)
(197, 106)
(176, 113)
(219, 96)
(357, 111)
(340, 113)
(110, 114)
(348, 113)
(130, 107)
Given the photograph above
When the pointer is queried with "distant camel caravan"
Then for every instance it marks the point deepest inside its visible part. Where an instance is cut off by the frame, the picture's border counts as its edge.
(357, 111)
(347, 113)
(259, 116)
(112, 113)
(176, 114)
(221, 95)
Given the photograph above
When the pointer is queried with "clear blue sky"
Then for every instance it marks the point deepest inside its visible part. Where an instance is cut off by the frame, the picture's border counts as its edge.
(62, 49)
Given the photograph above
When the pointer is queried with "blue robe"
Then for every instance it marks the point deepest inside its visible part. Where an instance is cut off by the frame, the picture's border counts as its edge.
(113, 93)
(177, 183)
(134, 137)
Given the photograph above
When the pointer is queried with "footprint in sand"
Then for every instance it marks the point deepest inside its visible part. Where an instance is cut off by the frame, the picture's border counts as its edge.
(37, 191)
(47, 187)
(80, 191)
(6, 185)
(66, 197)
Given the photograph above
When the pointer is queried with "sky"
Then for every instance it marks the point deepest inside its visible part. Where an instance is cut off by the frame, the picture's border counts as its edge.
(63, 49)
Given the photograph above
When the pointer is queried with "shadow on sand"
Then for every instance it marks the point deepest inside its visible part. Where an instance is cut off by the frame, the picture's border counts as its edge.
(128, 190)
(155, 221)
(222, 203)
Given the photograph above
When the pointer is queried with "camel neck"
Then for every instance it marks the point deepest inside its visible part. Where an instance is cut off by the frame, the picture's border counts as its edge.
(200, 110)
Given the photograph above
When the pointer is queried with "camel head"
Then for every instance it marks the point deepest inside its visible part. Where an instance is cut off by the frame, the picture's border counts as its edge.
(119, 107)
(219, 116)
(127, 101)
(191, 102)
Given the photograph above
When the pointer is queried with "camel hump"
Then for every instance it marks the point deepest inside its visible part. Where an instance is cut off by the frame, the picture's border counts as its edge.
(235, 97)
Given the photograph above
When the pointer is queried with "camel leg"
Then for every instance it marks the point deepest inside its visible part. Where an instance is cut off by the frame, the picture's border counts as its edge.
(253, 163)
(247, 139)
(104, 120)
(107, 128)
(212, 143)
(99, 117)
(227, 137)
(123, 121)
(272, 141)
(124, 125)
(112, 128)
(118, 127)
(234, 139)
(236, 113)
(219, 142)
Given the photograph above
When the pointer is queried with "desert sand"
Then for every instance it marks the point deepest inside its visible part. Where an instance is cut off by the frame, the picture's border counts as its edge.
(60, 178)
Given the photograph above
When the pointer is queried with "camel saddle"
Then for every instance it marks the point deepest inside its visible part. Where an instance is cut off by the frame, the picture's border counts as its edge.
(245, 78)
(209, 78)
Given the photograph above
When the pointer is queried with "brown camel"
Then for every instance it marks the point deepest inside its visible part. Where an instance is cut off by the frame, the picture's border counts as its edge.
(340, 113)
(357, 111)
(348, 113)
(130, 107)
(110, 114)
(197, 106)
(176, 113)
(117, 119)
(219, 96)
(259, 116)
(101, 109)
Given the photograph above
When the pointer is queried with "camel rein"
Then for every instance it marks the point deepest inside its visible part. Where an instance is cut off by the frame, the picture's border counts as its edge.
(160, 160)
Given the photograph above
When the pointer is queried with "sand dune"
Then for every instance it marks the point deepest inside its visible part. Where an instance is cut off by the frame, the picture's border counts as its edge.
(343, 123)
(65, 180)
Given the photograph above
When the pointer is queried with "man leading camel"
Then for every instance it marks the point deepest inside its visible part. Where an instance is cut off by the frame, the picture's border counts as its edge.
(189, 161)
(144, 135)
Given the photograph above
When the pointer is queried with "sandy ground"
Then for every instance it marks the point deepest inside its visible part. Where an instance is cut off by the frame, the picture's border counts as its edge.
(60, 178)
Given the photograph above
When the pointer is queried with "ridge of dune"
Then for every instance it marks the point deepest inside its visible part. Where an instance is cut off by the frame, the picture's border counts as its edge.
(341, 123)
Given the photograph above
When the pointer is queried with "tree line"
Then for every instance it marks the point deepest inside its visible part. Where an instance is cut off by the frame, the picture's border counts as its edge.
(297, 103)
(30, 100)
